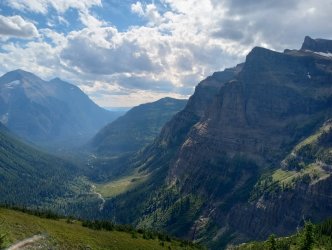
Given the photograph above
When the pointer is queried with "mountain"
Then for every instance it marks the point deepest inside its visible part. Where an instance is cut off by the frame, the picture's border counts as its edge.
(205, 173)
(137, 128)
(26, 231)
(28, 176)
(48, 112)
(317, 45)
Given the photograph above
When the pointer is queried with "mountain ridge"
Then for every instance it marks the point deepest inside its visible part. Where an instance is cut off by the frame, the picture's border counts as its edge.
(48, 112)
(207, 160)
(137, 128)
(317, 45)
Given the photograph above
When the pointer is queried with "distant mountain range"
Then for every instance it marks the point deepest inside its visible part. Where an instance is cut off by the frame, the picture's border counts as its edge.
(48, 112)
(137, 128)
(248, 156)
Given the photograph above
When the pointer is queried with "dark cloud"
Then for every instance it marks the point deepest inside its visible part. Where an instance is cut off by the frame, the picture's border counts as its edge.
(145, 83)
(184, 62)
(238, 6)
(228, 32)
(279, 24)
(81, 52)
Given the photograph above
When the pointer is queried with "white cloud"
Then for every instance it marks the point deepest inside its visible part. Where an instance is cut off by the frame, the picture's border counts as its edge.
(62, 20)
(181, 43)
(137, 8)
(149, 12)
(61, 6)
(112, 95)
(105, 51)
(16, 26)
(29, 5)
(89, 20)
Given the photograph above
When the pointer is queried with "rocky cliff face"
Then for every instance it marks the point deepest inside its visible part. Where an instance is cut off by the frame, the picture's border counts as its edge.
(174, 131)
(268, 107)
(317, 45)
(283, 212)
(239, 125)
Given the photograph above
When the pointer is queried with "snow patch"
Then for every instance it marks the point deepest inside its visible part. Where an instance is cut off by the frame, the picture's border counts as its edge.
(4, 119)
(328, 54)
(12, 84)
(324, 54)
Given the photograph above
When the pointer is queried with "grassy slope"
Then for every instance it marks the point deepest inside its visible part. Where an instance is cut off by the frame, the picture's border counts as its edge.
(120, 185)
(310, 159)
(62, 235)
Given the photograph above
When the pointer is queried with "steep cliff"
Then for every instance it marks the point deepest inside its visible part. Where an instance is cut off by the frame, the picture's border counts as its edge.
(240, 125)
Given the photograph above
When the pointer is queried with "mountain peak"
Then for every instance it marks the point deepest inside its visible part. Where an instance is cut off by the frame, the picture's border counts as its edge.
(53, 111)
(56, 79)
(260, 51)
(317, 45)
(19, 74)
(260, 56)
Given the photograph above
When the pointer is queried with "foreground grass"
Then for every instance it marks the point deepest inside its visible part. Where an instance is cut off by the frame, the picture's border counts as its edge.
(58, 234)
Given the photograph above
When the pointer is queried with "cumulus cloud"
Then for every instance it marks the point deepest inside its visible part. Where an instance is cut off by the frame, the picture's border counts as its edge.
(137, 8)
(148, 11)
(180, 42)
(89, 20)
(61, 6)
(112, 95)
(104, 51)
(16, 26)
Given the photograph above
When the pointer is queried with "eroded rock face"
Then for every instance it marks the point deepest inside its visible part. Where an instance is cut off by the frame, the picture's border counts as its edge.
(261, 113)
(284, 213)
(317, 45)
(232, 130)
(258, 115)
(175, 130)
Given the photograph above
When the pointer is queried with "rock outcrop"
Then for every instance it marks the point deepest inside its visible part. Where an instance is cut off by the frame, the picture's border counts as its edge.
(317, 45)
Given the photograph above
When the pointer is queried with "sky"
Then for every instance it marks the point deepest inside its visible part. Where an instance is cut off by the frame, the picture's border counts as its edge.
(123, 52)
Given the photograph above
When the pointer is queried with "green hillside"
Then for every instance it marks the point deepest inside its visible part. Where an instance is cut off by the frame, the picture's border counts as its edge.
(29, 177)
(42, 233)
(137, 128)
(315, 237)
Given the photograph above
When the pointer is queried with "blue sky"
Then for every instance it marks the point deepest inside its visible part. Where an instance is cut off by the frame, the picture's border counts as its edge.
(123, 53)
